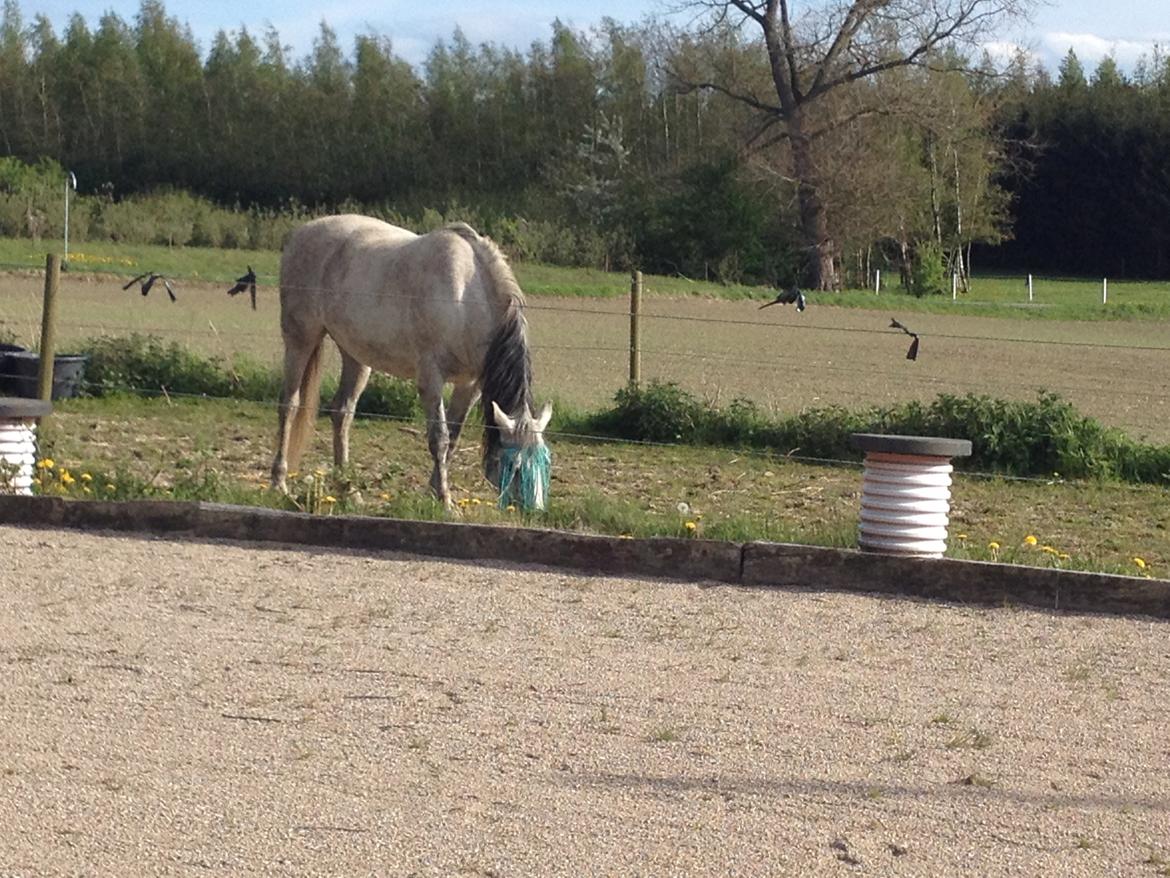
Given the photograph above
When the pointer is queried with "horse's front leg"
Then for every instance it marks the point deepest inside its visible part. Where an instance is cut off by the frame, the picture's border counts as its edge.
(462, 399)
(430, 390)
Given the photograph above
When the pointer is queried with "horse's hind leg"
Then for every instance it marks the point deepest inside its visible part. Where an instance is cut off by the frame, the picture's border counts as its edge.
(302, 364)
(354, 376)
(430, 391)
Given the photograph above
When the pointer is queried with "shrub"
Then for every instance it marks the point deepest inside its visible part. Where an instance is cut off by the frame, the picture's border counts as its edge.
(145, 365)
(1010, 437)
(928, 271)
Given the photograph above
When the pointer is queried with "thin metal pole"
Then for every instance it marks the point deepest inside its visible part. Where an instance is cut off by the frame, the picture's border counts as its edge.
(635, 328)
(66, 257)
(49, 327)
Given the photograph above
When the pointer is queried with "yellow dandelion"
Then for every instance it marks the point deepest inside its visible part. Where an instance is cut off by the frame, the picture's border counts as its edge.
(993, 545)
(86, 477)
(463, 502)
(1140, 562)
(960, 536)
(45, 463)
(1049, 550)
(109, 487)
(510, 508)
(1064, 556)
(384, 496)
(328, 498)
(67, 479)
(475, 501)
(1030, 540)
(691, 526)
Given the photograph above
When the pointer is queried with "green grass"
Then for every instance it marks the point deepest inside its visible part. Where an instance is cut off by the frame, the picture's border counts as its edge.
(128, 260)
(221, 450)
(1000, 296)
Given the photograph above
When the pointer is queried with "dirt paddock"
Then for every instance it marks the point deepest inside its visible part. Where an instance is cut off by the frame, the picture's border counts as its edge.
(179, 708)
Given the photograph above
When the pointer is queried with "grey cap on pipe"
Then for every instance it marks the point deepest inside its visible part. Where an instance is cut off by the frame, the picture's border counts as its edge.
(933, 446)
(17, 408)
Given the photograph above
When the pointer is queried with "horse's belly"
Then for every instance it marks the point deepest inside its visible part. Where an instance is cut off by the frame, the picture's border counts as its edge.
(394, 357)
(401, 357)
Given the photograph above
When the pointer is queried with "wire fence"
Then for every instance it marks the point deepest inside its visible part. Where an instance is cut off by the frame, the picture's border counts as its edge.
(722, 350)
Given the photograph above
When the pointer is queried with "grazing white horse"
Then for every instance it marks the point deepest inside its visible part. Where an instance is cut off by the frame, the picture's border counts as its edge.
(437, 308)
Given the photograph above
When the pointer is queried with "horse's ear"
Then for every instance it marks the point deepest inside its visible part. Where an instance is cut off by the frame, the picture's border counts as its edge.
(502, 420)
(544, 417)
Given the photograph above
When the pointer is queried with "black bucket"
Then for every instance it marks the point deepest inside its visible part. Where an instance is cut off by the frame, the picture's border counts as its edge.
(8, 372)
(19, 370)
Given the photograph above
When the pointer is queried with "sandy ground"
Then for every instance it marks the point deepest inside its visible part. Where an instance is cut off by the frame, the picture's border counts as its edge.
(172, 708)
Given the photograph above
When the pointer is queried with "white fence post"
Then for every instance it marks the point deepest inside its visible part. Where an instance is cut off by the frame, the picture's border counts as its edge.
(1029, 288)
(877, 281)
(954, 287)
(1104, 290)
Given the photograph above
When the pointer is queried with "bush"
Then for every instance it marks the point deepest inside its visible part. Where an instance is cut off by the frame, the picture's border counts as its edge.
(391, 397)
(1010, 437)
(145, 365)
(928, 272)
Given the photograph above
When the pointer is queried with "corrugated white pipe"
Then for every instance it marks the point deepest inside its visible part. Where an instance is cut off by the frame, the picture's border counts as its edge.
(18, 454)
(905, 504)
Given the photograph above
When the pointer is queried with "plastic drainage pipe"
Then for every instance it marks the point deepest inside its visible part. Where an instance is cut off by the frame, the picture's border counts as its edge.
(906, 492)
(18, 442)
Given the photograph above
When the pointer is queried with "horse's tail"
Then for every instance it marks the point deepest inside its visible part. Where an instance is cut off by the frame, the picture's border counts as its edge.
(305, 417)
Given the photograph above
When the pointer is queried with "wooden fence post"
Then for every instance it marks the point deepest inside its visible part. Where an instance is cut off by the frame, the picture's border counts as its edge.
(635, 328)
(49, 327)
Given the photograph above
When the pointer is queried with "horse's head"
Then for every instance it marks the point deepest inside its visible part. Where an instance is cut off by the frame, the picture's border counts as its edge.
(520, 464)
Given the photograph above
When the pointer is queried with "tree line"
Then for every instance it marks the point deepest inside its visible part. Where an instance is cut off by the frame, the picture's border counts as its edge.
(628, 144)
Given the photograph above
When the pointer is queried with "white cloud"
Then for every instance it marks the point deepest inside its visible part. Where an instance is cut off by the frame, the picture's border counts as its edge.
(1003, 52)
(1092, 49)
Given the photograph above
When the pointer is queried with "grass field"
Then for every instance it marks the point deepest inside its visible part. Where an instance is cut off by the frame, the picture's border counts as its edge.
(711, 340)
(222, 450)
(1053, 298)
(721, 349)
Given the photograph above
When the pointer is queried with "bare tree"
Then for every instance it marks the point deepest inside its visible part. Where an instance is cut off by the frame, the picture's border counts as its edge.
(826, 50)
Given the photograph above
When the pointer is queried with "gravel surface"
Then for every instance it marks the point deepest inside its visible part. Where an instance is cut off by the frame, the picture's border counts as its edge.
(182, 708)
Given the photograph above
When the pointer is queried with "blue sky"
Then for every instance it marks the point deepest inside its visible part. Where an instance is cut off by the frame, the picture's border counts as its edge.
(1094, 28)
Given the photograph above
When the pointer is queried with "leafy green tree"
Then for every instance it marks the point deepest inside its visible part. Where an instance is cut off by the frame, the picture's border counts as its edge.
(830, 48)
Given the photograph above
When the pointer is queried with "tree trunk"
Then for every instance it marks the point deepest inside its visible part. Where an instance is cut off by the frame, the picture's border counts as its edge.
(814, 217)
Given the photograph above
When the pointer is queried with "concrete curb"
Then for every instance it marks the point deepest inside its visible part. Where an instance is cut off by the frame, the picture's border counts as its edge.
(751, 564)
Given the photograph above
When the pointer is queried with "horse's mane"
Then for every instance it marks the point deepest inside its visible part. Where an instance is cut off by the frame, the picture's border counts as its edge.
(506, 378)
(504, 283)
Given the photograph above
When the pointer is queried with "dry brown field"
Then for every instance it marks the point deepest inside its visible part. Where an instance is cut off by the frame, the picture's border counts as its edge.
(785, 361)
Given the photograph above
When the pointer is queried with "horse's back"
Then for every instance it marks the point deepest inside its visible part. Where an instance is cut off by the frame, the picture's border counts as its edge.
(326, 249)
(385, 294)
